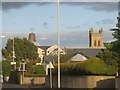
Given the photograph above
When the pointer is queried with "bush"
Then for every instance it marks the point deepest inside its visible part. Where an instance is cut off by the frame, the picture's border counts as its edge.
(37, 69)
(94, 66)
(6, 67)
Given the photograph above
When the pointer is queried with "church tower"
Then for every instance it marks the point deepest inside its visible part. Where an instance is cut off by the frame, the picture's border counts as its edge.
(96, 39)
(32, 37)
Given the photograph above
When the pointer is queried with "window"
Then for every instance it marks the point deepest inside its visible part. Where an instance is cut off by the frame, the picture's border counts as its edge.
(48, 51)
(99, 43)
(95, 43)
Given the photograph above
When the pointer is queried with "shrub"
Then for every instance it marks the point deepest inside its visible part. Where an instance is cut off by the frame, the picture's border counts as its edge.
(94, 66)
(6, 67)
(37, 69)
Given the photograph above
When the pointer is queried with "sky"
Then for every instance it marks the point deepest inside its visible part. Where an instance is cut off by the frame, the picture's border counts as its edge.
(76, 18)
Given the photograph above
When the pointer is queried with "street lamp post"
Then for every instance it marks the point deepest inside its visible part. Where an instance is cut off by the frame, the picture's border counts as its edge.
(13, 63)
(58, 44)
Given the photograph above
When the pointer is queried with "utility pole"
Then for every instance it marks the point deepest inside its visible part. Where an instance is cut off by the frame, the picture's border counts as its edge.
(58, 44)
(13, 63)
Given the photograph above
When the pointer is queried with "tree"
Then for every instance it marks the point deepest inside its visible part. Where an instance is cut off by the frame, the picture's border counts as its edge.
(116, 44)
(111, 55)
(108, 57)
(24, 49)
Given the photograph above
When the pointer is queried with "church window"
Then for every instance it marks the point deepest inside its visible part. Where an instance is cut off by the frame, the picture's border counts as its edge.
(99, 43)
(95, 43)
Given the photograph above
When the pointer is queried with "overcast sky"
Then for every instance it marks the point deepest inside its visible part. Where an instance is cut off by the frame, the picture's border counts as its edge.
(20, 18)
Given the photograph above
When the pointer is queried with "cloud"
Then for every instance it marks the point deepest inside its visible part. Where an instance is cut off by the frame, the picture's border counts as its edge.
(6, 6)
(74, 34)
(74, 27)
(14, 5)
(104, 6)
(52, 17)
(45, 25)
(96, 6)
(105, 21)
(68, 39)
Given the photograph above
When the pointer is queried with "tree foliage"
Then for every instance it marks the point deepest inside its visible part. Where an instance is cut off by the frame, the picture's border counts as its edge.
(116, 44)
(108, 57)
(24, 49)
(66, 57)
(6, 67)
(111, 55)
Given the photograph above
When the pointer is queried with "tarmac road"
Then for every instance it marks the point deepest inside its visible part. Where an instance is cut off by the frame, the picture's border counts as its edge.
(8, 86)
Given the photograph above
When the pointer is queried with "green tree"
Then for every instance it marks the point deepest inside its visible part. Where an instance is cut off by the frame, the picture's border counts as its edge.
(24, 49)
(116, 44)
(66, 57)
(108, 57)
(111, 55)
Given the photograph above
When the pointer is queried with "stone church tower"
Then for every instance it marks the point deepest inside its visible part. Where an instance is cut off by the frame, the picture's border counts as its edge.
(96, 39)
(32, 37)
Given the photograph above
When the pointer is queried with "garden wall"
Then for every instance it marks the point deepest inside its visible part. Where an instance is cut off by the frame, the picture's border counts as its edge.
(32, 80)
(83, 81)
(117, 83)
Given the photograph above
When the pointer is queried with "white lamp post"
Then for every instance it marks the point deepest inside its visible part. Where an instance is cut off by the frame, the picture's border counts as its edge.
(58, 44)
(13, 63)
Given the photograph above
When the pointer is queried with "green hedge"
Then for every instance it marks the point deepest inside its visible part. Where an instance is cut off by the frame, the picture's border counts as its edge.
(37, 69)
(6, 67)
(94, 66)
(31, 69)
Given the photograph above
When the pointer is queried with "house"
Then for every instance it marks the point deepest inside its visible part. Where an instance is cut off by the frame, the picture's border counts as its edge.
(45, 50)
(86, 52)
(78, 58)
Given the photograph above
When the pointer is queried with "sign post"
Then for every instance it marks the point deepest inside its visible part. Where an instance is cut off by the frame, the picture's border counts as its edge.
(23, 68)
(51, 67)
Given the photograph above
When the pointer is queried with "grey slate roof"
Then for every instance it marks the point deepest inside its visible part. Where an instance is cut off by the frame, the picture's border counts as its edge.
(49, 58)
(44, 47)
(90, 53)
(87, 52)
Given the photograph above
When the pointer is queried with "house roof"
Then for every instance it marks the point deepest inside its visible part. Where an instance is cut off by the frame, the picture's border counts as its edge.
(49, 58)
(44, 47)
(78, 57)
(90, 53)
(87, 52)
(78, 54)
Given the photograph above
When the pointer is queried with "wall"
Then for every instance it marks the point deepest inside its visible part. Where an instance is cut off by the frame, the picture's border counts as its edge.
(84, 81)
(32, 80)
(117, 83)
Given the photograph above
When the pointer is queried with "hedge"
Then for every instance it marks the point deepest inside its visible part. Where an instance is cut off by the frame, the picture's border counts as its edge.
(94, 66)
(6, 67)
(37, 69)
(31, 69)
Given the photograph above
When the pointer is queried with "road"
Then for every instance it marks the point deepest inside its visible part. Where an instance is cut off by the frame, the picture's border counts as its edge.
(8, 86)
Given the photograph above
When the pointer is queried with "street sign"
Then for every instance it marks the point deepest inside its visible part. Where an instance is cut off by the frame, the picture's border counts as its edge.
(51, 65)
(12, 63)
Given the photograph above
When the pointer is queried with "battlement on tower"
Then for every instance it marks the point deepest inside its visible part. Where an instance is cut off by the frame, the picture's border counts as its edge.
(96, 39)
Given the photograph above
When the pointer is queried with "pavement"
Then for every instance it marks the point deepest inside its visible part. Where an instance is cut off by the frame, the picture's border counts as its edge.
(8, 86)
